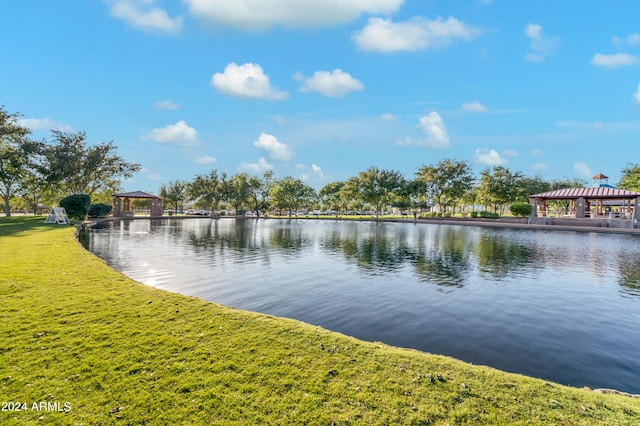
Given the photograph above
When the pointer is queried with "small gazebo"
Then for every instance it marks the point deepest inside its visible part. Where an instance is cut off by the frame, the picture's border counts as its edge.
(593, 201)
(122, 203)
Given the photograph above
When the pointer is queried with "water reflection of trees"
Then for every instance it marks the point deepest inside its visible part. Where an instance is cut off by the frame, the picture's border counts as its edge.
(629, 266)
(439, 257)
(500, 257)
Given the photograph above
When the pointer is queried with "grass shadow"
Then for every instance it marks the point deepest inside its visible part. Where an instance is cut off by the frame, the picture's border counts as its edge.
(16, 226)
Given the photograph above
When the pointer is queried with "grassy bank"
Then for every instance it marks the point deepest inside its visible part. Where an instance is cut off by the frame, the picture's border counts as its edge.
(75, 331)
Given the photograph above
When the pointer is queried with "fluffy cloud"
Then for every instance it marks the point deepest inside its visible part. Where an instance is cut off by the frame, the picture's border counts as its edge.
(474, 106)
(261, 15)
(582, 170)
(631, 40)
(44, 124)
(259, 167)
(540, 45)
(435, 132)
(245, 81)
(317, 170)
(165, 105)
(276, 149)
(614, 61)
(205, 160)
(179, 133)
(331, 84)
(540, 166)
(488, 157)
(384, 35)
(143, 15)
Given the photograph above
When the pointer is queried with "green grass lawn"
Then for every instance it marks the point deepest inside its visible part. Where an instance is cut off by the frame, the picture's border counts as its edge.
(74, 331)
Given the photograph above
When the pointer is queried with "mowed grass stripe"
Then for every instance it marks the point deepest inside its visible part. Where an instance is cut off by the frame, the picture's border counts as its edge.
(75, 331)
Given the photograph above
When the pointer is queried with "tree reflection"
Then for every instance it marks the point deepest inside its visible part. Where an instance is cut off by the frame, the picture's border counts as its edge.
(629, 266)
(500, 257)
(443, 256)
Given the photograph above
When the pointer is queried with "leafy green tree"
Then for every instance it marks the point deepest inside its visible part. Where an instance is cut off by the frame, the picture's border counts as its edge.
(208, 190)
(533, 185)
(350, 195)
(630, 177)
(291, 193)
(499, 186)
(17, 157)
(80, 169)
(260, 190)
(237, 191)
(331, 195)
(446, 182)
(174, 193)
(379, 187)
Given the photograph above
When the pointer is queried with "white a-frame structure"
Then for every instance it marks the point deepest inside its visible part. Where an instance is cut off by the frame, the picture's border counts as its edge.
(57, 215)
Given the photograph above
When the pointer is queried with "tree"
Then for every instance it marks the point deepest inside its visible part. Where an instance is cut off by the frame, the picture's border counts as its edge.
(447, 182)
(80, 169)
(379, 187)
(17, 157)
(532, 186)
(499, 186)
(207, 190)
(259, 191)
(331, 195)
(174, 193)
(291, 193)
(630, 177)
(237, 191)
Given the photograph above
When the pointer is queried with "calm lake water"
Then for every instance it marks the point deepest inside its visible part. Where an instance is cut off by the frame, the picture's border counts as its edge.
(562, 306)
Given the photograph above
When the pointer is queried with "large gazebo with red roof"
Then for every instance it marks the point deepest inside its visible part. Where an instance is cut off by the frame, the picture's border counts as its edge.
(591, 201)
(122, 203)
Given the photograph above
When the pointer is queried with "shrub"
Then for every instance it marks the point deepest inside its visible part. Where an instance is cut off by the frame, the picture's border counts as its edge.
(488, 215)
(99, 210)
(521, 209)
(76, 205)
(474, 214)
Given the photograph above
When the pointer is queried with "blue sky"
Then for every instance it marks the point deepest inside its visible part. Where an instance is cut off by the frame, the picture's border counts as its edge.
(324, 89)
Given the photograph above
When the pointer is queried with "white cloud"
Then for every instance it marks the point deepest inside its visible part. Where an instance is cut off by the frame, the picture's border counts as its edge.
(474, 106)
(488, 157)
(276, 149)
(167, 104)
(540, 166)
(631, 40)
(143, 15)
(384, 35)
(179, 134)
(636, 95)
(331, 84)
(435, 131)
(582, 170)
(205, 160)
(387, 117)
(261, 166)
(245, 81)
(300, 166)
(317, 170)
(44, 124)
(540, 45)
(614, 61)
(510, 153)
(537, 152)
(261, 15)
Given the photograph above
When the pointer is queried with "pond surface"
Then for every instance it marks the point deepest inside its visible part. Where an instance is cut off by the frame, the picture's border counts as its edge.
(562, 306)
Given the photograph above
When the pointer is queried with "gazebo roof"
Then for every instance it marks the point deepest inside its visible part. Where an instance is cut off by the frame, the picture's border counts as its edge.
(135, 194)
(603, 193)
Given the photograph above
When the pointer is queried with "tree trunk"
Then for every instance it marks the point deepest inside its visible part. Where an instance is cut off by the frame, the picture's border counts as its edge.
(7, 207)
